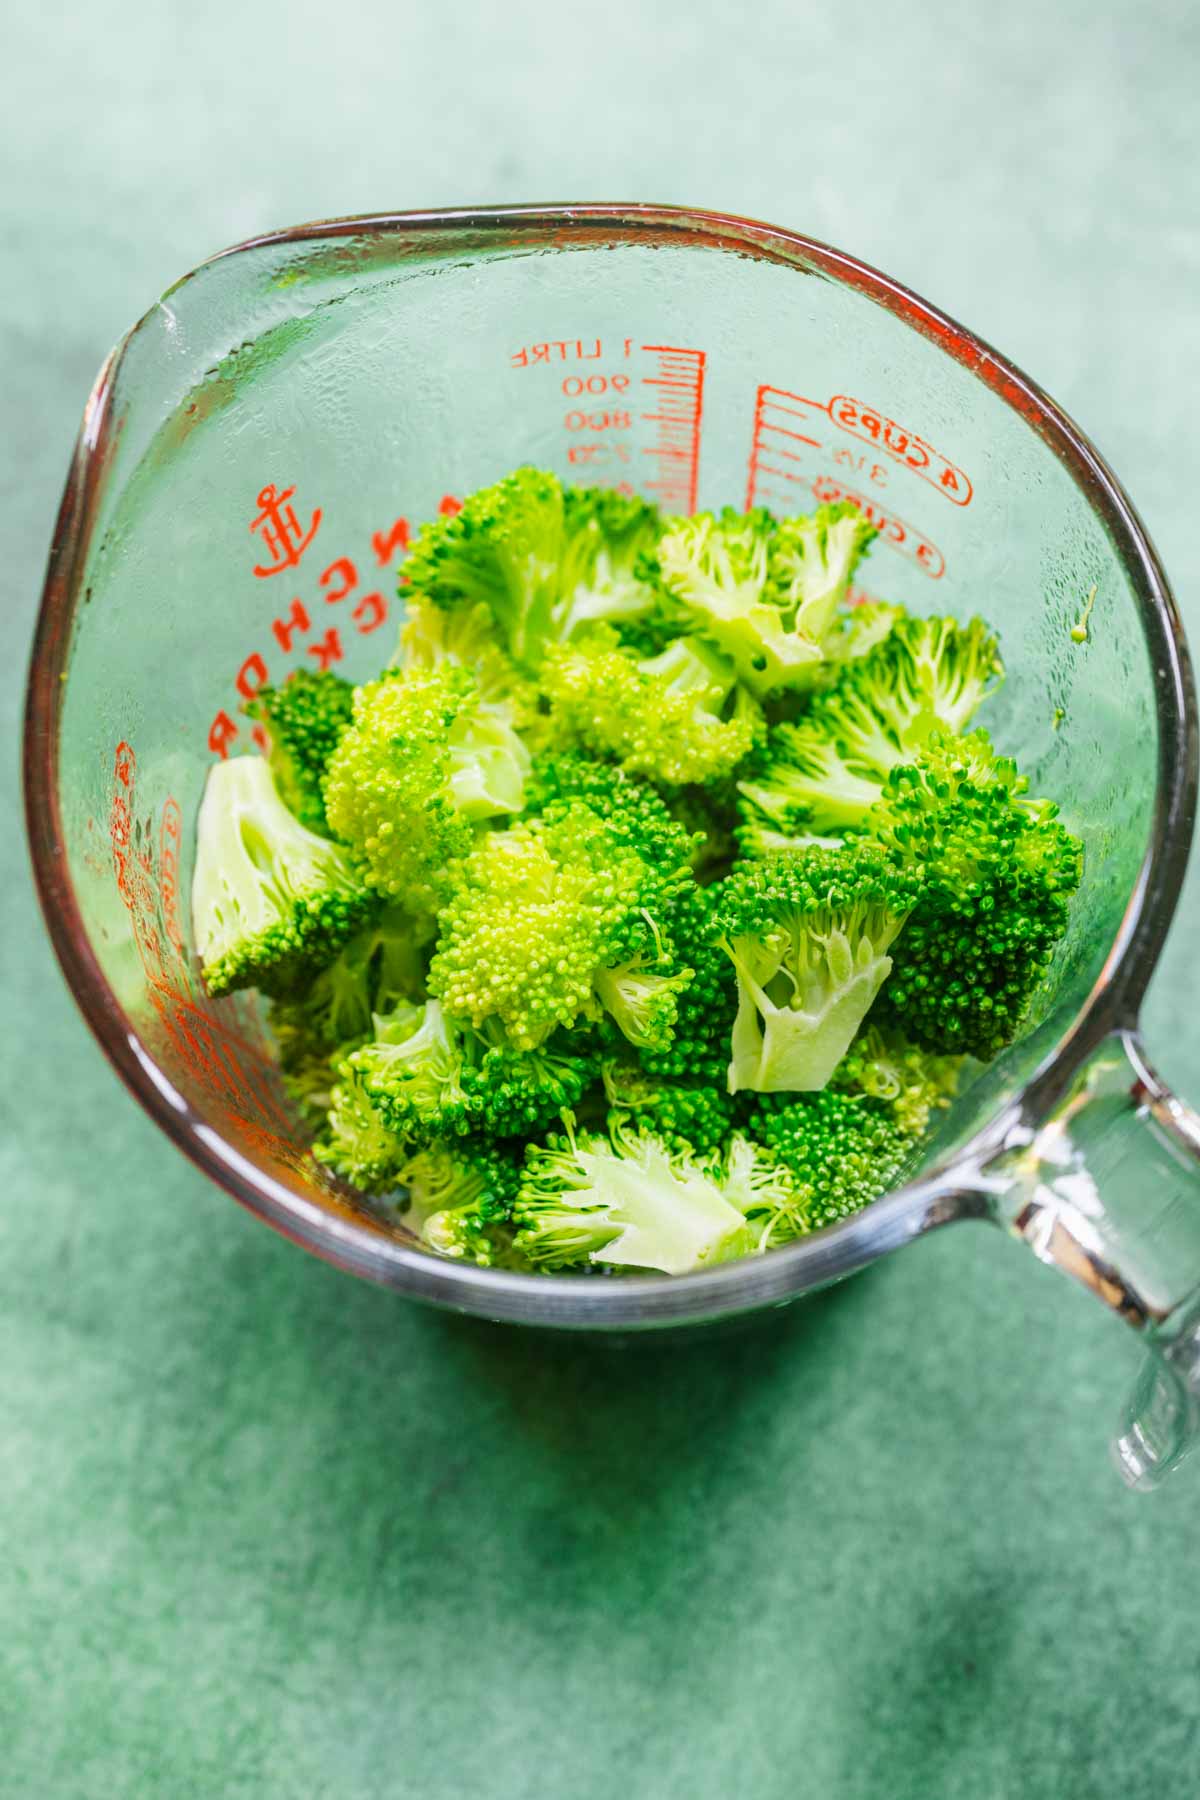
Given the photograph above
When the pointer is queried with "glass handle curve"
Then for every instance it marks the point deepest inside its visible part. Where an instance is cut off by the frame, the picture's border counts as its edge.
(1107, 1189)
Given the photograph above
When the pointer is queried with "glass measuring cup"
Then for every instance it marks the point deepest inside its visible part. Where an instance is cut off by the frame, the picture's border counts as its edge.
(252, 461)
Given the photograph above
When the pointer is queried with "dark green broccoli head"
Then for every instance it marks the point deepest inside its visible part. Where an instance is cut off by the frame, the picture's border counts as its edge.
(305, 720)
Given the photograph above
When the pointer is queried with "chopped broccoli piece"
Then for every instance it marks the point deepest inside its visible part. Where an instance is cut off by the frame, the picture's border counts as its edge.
(429, 1077)
(913, 1083)
(812, 560)
(630, 1202)
(434, 637)
(824, 773)
(685, 1116)
(808, 934)
(330, 1012)
(661, 717)
(541, 911)
(305, 721)
(542, 561)
(765, 595)
(423, 762)
(460, 1199)
(841, 1150)
(998, 869)
(269, 897)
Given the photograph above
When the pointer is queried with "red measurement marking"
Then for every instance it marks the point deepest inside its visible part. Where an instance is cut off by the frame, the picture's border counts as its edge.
(285, 539)
(677, 415)
(386, 543)
(787, 428)
(251, 678)
(892, 530)
(286, 629)
(448, 506)
(370, 613)
(221, 734)
(338, 579)
(170, 842)
(874, 427)
(327, 650)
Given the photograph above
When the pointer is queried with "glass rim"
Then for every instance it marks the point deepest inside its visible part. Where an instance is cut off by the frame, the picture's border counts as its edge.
(948, 1190)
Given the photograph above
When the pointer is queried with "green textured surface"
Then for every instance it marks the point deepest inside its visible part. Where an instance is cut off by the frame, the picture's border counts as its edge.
(271, 1533)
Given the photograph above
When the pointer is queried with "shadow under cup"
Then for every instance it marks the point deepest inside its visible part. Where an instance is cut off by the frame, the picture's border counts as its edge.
(258, 451)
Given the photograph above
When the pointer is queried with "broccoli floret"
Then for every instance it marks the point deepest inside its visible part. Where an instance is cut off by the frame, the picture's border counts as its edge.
(460, 1199)
(330, 1012)
(356, 1142)
(305, 720)
(926, 674)
(812, 560)
(629, 1202)
(808, 934)
(824, 773)
(541, 559)
(841, 1151)
(699, 1048)
(998, 868)
(607, 538)
(429, 1077)
(685, 1116)
(563, 914)
(913, 1083)
(801, 786)
(860, 628)
(765, 595)
(269, 897)
(423, 762)
(675, 717)
(465, 637)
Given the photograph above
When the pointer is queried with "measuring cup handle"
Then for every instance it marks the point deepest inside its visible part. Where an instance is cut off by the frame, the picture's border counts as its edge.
(1108, 1190)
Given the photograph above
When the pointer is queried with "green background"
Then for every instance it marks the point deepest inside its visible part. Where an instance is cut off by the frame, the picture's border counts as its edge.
(268, 1532)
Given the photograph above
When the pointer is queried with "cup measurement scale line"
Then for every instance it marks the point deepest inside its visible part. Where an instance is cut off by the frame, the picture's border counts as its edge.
(676, 413)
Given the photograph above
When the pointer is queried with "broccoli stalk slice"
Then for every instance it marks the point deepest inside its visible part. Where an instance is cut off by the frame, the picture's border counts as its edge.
(268, 896)
(808, 935)
(800, 1002)
(488, 764)
(632, 1204)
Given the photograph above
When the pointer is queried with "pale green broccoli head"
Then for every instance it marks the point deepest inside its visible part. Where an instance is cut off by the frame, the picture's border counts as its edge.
(801, 786)
(423, 762)
(305, 719)
(540, 911)
(504, 549)
(927, 674)
(607, 537)
(330, 1012)
(356, 1141)
(674, 718)
(683, 1115)
(812, 561)
(466, 637)
(765, 595)
(626, 1203)
(808, 935)
(269, 897)
(460, 1199)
